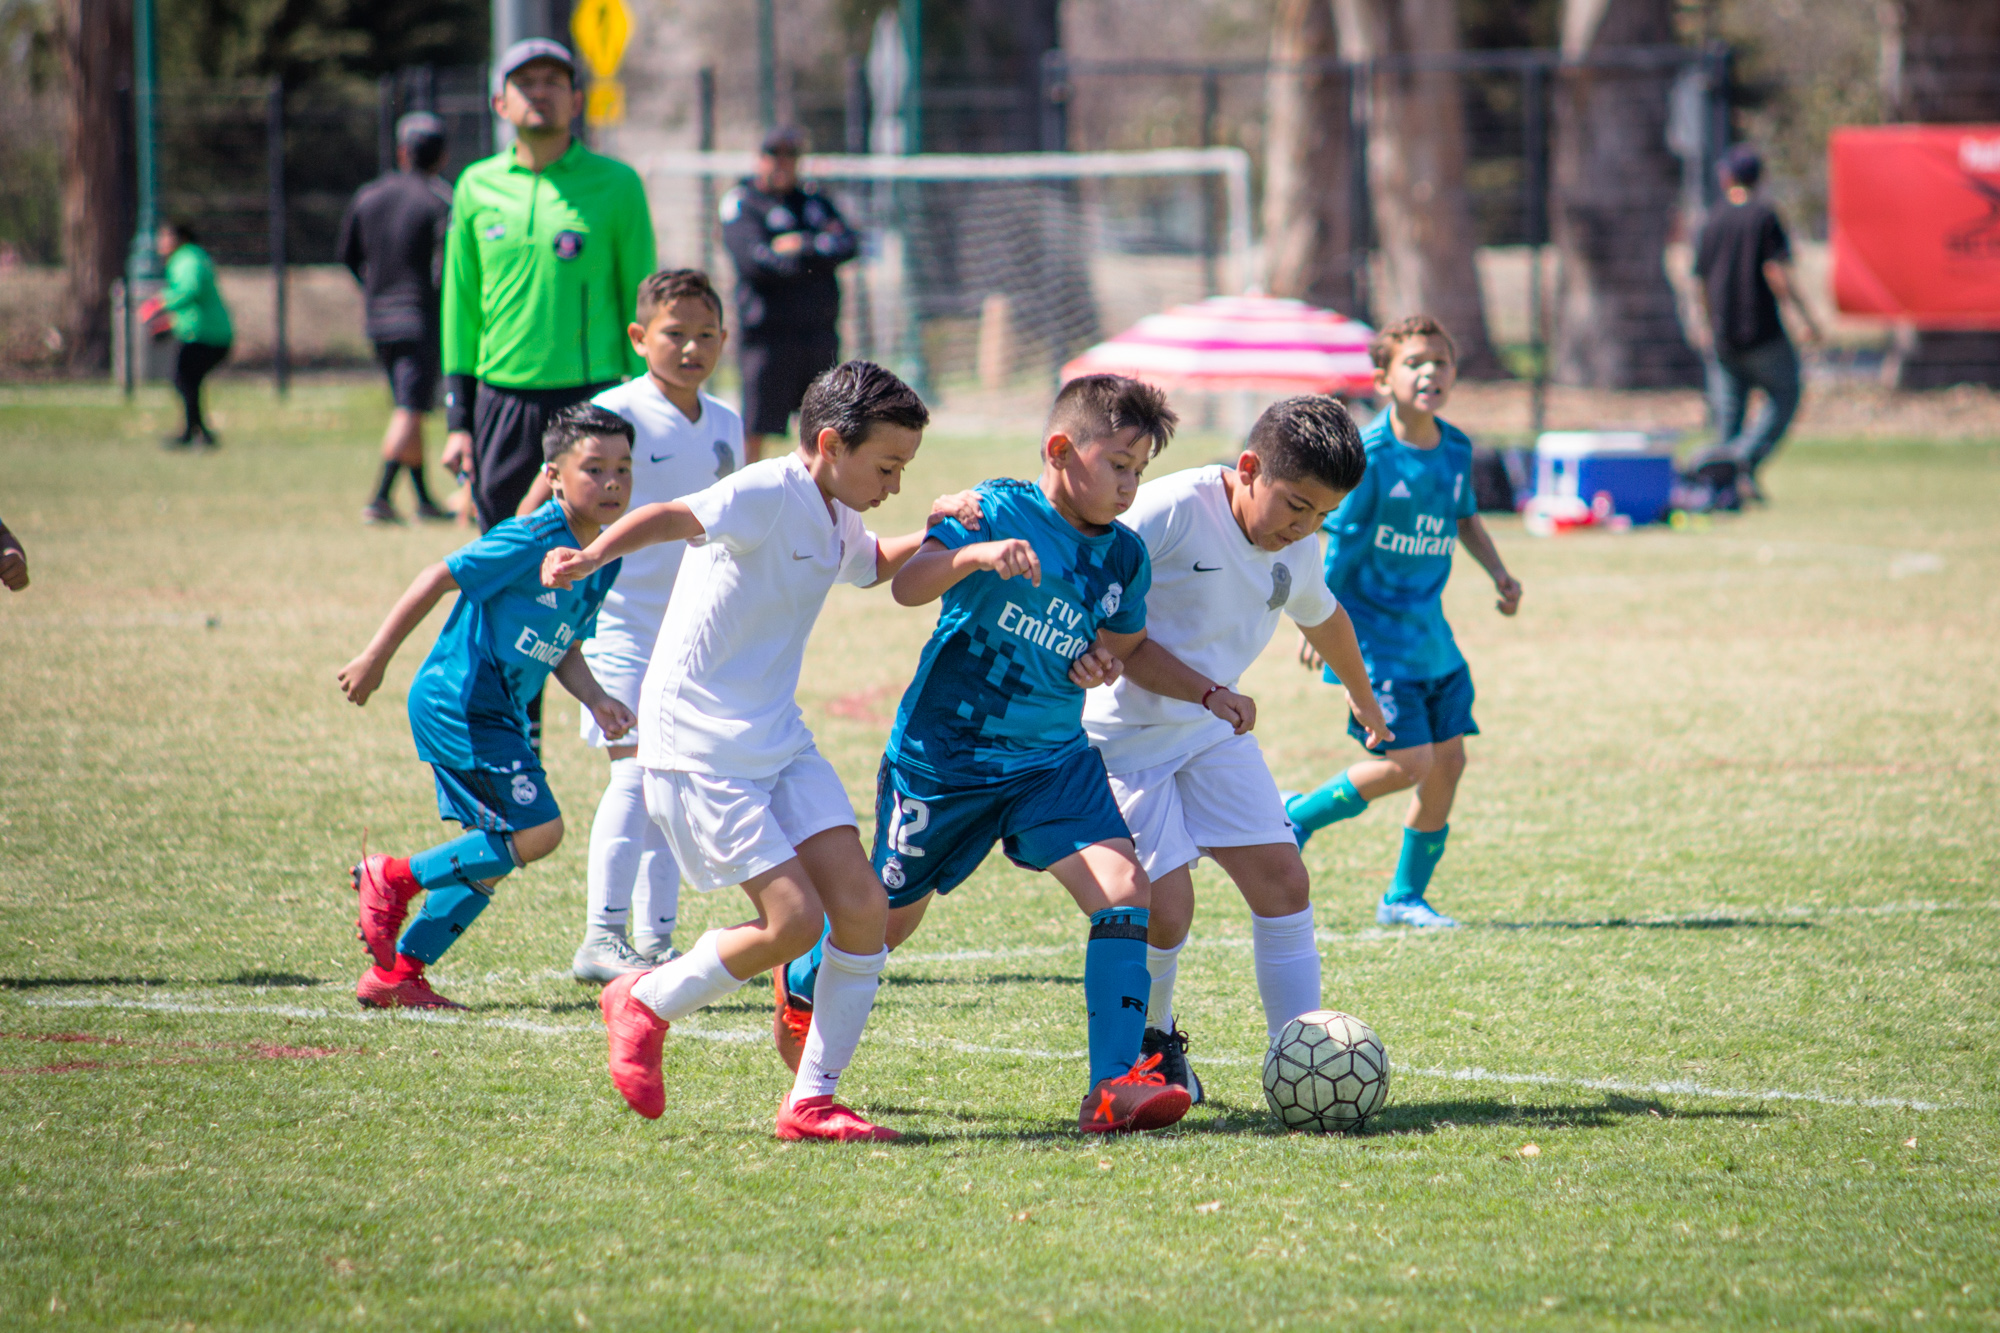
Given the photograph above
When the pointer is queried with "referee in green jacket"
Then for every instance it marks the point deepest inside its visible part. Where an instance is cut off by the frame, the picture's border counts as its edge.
(548, 244)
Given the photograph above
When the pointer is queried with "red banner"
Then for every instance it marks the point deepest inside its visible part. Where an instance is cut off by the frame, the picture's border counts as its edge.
(1914, 212)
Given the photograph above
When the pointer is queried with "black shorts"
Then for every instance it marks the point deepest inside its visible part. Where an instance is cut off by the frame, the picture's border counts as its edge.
(776, 375)
(507, 426)
(414, 370)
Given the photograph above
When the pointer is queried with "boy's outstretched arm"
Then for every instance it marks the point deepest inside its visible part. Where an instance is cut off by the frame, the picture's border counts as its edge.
(1334, 642)
(1151, 667)
(936, 569)
(1478, 544)
(574, 673)
(648, 525)
(892, 553)
(363, 676)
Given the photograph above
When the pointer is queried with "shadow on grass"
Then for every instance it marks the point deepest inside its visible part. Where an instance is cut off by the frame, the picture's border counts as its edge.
(1658, 923)
(1430, 1117)
(998, 979)
(272, 979)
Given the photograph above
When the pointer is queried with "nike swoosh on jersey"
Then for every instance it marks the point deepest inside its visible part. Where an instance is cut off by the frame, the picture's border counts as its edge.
(798, 556)
(1212, 569)
(659, 458)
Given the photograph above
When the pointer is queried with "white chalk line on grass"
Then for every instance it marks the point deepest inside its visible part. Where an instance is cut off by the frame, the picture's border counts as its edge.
(1469, 1074)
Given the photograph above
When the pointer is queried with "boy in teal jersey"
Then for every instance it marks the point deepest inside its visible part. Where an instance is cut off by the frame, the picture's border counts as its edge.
(468, 705)
(1388, 557)
(1046, 599)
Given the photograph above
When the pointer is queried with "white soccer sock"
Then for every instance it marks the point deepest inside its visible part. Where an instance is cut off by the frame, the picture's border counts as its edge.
(842, 1001)
(617, 838)
(656, 898)
(1162, 965)
(1287, 966)
(675, 990)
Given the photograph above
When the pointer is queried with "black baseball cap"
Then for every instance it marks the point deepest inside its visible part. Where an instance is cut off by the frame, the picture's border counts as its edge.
(533, 49)
(785, 141)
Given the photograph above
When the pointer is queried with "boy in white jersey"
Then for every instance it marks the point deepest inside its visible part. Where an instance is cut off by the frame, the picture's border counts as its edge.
(1231, 548)
(731, 773)
(685, 441)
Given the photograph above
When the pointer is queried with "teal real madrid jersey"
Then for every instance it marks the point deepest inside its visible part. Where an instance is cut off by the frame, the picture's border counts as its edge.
(505, 635)
(992, 695)
(1389, 549)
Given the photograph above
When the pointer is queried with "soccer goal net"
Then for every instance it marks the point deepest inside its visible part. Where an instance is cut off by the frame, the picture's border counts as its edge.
(991, 270)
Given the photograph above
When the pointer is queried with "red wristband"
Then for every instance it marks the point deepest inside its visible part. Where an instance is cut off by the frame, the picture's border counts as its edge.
(1210, 690)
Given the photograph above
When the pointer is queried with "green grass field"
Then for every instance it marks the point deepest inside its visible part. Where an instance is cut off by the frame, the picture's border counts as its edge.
(1726, 856)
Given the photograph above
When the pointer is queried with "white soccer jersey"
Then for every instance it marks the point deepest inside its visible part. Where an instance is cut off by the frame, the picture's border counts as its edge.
(719, 692)
(1214, 604)
(672, 457)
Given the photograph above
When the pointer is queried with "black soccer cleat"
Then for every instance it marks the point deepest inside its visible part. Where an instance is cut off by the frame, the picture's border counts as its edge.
(1171, 1046)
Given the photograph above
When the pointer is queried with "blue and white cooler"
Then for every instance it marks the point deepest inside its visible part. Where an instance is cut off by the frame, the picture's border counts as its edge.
(1635, 469)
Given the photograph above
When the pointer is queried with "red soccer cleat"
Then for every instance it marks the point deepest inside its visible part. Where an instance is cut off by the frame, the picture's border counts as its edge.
(825, 1118)
(636, 1034)
(386, 887)
(790, 1024)
(1140, 1100)
(400, 987)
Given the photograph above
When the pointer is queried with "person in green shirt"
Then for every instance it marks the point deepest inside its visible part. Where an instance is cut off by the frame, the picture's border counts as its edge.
(201, 322)
(548, 244)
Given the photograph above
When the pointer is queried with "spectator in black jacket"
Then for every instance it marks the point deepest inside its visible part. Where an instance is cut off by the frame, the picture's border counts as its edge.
(786, 239)
(393, 239)
(1743, 267)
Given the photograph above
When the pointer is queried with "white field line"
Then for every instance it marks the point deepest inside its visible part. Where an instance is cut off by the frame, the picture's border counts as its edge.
(1470, 1074)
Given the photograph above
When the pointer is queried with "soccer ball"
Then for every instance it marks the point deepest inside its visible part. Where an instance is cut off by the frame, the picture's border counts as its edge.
(1326, 1072)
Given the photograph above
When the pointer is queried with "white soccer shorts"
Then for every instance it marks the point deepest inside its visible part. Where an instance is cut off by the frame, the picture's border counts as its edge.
(725, 831)
(618, 659)
(1223, 796)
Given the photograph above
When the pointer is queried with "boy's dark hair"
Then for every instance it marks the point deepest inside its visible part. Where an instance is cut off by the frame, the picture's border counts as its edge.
(1310, 436)
(426, 151)
(852, 397)
(669, 285)
(580, 421)
(1743, 166)
(1382, 348)
(1096, 407)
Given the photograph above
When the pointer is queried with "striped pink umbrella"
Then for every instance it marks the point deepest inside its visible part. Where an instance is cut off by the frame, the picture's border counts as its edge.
(1264, 344)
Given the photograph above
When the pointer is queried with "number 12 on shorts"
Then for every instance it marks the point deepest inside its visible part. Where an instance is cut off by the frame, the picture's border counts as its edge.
(909, 818)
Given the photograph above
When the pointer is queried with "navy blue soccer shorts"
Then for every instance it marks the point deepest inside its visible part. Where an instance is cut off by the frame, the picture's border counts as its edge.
(930, 836)
(506, 793)
(1422, 712)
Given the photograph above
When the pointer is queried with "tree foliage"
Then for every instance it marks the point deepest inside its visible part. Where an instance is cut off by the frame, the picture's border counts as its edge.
(309, 40)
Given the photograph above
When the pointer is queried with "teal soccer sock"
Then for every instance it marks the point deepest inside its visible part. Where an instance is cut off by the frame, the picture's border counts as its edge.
(1115, 987)
(802, 973)
(1330, 804)
(448, 910)
(464, 861)
(1421, 854)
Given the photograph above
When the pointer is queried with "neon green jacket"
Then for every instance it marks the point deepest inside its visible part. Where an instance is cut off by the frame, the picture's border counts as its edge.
(191, 294)
(542, 271)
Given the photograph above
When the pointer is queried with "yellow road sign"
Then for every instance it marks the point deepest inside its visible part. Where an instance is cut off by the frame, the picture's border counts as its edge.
(601, 29)
(604, 103)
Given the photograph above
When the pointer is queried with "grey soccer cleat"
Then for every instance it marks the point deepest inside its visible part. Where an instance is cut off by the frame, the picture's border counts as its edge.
(657, 949)
(605, 957)
(1171, 1046)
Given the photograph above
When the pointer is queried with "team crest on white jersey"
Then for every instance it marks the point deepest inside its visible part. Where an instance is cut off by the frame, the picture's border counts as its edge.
(1108, 603)
(548, 599)
(1400, 491)
(1281, 587)
(525, 790)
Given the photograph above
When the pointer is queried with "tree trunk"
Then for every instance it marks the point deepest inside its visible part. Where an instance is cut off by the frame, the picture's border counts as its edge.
(1941, 65)
(1416, 172)
(1308, 231)
(1616, 190)
(97, 57)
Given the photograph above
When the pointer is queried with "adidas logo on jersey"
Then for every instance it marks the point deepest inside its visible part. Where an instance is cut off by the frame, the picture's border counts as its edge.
(548, 599)
(1400, 491)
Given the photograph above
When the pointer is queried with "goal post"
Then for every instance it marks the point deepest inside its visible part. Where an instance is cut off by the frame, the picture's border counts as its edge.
(992, 269)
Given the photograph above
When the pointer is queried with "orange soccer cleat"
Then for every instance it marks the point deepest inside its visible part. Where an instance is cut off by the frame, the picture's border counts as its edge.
(386, 887)
(825, 1118)
(400, 987)
(1139, 1100)
(636, 1034)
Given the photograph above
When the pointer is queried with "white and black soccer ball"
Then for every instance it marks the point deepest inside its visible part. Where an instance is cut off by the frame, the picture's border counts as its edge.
(1326, 1072)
